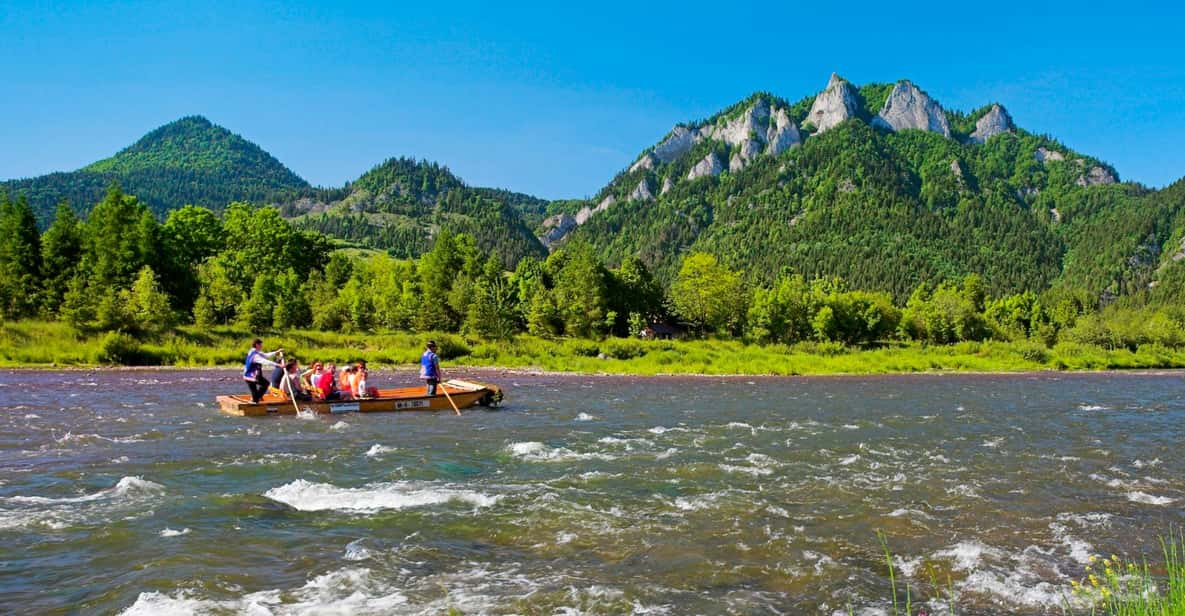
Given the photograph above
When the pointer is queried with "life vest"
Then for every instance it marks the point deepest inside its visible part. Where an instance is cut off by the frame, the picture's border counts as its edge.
(249, 367)
(428, 365)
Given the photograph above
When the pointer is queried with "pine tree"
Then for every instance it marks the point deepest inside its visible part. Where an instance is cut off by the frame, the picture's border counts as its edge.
(20, 258)
(61, 251)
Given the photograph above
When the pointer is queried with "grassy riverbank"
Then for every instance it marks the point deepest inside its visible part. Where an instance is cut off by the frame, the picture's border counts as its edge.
(34, 343)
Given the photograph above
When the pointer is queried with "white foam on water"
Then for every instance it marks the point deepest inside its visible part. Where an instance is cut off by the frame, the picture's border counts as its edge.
(126, 487)
(852, 459)
(356, 551)
(345, 591)
(907, 566)
(309, 496)
(663, 455)
(851, 427)
(755, 471)
(564, 537)
(585, 417)
(32, 416)
(59, 513)
(993, 443)
(967, 555)
(70, 437)
(1093, 407)
(905, 512)
(1016, 588)
(1151, 463)
(963, 490)
(1149, 499)
(1079, 549)
(534, 451)
(168, 532)
(339, 426)
(698, 503)
(306, 413)
(377, 450)
(822, 561)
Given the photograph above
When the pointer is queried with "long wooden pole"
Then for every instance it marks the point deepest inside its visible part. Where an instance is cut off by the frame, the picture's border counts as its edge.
(291, 389)
(450, 398)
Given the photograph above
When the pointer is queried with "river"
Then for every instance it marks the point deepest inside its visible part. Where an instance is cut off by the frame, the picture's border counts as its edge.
(128, 492)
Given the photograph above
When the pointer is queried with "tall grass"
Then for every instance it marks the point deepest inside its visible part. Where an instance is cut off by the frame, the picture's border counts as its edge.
(1128, 588)
(1110, 586)
(38, 343)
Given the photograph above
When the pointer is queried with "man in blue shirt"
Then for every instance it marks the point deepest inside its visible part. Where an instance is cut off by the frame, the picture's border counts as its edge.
(430, 367)
(253, 367)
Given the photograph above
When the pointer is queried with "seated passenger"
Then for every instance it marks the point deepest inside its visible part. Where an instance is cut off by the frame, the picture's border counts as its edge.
(286, 381)
(324, 386)
(308, 377)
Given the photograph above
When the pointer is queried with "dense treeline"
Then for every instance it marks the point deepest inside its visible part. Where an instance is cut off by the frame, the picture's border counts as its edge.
(400, 205)
(121, 271)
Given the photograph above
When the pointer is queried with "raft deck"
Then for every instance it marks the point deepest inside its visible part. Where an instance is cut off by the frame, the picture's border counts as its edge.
(465, 394)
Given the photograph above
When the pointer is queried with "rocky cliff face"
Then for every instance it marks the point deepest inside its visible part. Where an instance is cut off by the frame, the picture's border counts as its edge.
(833, 105)
(781, 134)
(909, 107)
(648, 161)
(557, 228)
(996, 121)
(1044, 155)
(710, 165)
(678, 143)
(1096, 176)
(642, 192)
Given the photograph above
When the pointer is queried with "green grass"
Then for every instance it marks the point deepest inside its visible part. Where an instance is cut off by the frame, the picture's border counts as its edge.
(1121, 587)
(40, 343)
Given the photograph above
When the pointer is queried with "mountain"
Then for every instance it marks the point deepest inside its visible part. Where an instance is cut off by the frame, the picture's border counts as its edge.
(189, 161)
(881, 185)
(401, 204)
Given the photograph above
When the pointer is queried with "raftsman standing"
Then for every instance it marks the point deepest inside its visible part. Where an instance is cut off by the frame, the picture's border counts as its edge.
(253, 369)
(430, 367)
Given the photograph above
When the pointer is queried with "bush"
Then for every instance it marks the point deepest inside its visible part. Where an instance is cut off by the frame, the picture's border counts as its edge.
(582, 348)
(624, 348)
(121, 348)
(1032, 351)
(826, 349)
(451, 347)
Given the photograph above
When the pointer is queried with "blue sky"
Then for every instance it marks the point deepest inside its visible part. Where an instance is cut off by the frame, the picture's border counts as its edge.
(552, 99)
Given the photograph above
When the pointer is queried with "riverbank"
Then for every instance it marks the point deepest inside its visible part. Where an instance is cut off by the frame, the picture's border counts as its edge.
(51, 344)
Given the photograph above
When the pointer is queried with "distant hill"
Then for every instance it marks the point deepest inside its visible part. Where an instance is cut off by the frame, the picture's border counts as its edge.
(401, 204)
(882, 186)
(189, 161)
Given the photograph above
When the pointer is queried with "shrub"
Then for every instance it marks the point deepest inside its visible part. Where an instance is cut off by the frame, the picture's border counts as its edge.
(624, 348)
(582, 348)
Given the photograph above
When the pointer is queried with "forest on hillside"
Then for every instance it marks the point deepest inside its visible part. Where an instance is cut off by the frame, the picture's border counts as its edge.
(121, 272)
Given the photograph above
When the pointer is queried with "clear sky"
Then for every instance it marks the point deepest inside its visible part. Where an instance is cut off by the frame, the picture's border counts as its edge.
(551, 98)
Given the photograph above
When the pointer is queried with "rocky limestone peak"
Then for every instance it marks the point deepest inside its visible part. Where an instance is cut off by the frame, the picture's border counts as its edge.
(641, 192)
(749, 150)
(994, 122)
(678, 143)
(1044, 155)
(1096, 176)
(667, 185)
(710, 165)
(738, 130)
(558, 227)
(957, 168)
(909, 107)
(648, 161)
(781, 134)
(833, 105)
